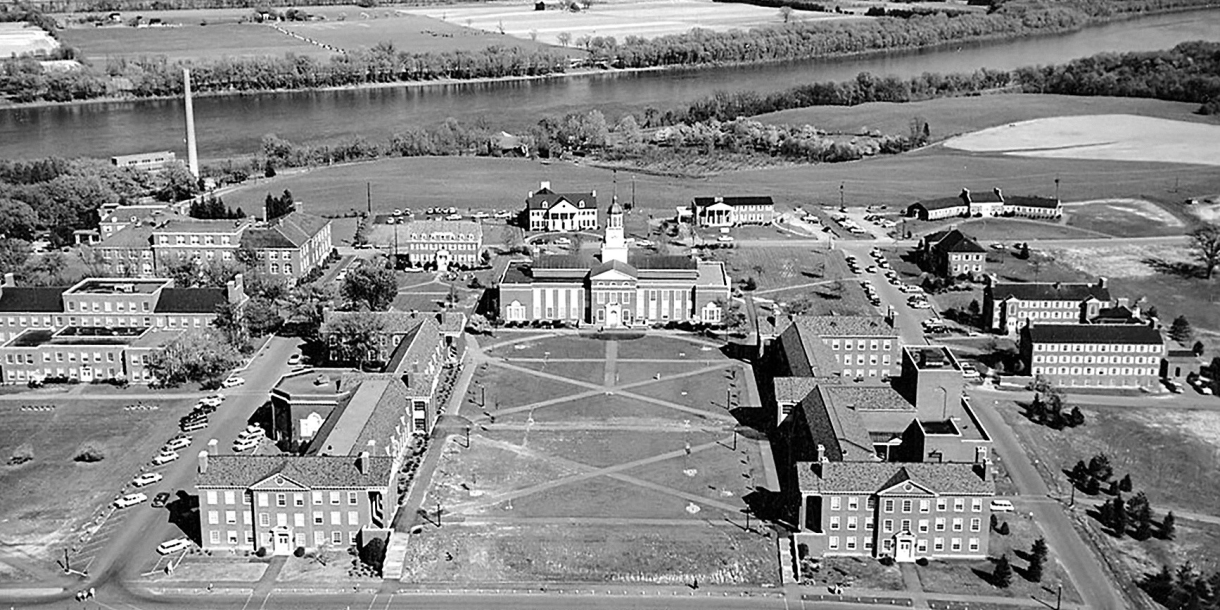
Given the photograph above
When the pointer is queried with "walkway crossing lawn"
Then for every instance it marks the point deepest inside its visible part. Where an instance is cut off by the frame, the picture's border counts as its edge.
(198, 569)
(593, 484)
(47, 498)
(971, 577)
(510, 552)
(633, 372)
(661, 347)
(588, 372)
(705, 391)
(509, 388)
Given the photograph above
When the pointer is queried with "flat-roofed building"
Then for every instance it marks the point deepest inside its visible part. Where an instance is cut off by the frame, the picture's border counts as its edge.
(149, 161)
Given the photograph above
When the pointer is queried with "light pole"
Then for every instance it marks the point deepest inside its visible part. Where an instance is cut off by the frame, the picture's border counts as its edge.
(1059, 601)
(438, 514)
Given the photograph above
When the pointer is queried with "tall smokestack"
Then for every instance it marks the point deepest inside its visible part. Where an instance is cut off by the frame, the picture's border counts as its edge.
(192, 155)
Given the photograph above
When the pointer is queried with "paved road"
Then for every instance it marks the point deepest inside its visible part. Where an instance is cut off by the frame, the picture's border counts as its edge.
(1089, 578)
(908, 319)
(132, 546)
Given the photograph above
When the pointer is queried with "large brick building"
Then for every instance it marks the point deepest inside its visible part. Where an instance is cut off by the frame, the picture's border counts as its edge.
(985, 204)
(618, 291)
(730, 211)
(1105, 355)
(431, 243)
(952, 253)
(282, 502)
(1008, 306)
(100, 328)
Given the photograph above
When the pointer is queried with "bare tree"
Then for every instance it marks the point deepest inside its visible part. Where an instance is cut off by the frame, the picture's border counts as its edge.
(564, 38)
(785, 13)
(1205, 241)
(534, 35)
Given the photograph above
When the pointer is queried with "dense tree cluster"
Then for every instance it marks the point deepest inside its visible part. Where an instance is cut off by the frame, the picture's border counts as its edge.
(1189, 72)
(212, 207)
(1185, 588)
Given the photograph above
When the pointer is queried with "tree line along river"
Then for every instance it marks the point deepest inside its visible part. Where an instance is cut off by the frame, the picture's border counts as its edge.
(233, 125)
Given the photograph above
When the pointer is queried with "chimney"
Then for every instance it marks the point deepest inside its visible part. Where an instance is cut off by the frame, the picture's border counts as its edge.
(546, 184)
(362, 462)
(1125, 302)
(235, 289)
(998, 193)
(965, 196)
(372, 444)
(1101, 282)
(203, 462)
(298, 206)
(192, 153)
(822, 454)
(213, 447)
(890, 315)
(983, 465)
(10, 279)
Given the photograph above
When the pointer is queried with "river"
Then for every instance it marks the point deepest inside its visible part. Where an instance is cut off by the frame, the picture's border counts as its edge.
(233, 125)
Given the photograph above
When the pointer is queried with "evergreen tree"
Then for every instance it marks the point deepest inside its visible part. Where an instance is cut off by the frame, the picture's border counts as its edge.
(1080, 473)
(1113, 488)
(1118, 516)
(1180, 330)
(1125, 484)
(1003, 529)
(1034, 572)
(1099, 467)
(1075, 418)
(1167, 526)
(1159, 586)
(1039, 549)
(1092, 486)
(1002, 576)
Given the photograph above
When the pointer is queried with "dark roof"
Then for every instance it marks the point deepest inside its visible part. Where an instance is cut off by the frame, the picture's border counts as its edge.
(1050, 291)
(872, 477)
(1032, 201)
(1122, 334)
(734, 200)
(661, 261)
(954, 241)
(521, 272)
(941, 203)
(543, 199)
(290, 231)
(338, 472)
(34, 300)
(982, 196)
(562, 261)
(615, 265)
(839, 430)
(190, 300)
(840, 326)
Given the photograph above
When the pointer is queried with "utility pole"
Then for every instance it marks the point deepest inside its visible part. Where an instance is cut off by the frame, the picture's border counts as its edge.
(841, 206)
(368, 195)
(633, 191)
(1056, 188)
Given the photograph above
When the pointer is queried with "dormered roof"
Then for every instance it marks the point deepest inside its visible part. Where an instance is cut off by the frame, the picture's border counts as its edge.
(1032, 201)
(545, 199)
(292, 230)
(1115, 334)
(868, 478)
(953, 240)
(733, 201)
(314, 472)
(190, 300)
(21, 299)
(942, 203)
(845, 326)
(1050, 291)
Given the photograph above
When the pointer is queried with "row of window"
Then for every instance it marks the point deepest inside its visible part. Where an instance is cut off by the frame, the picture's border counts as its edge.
(1097, 347)
(319, 538)
(231, 497)
(208, 240)
(848, 344)
(1088, 370)
(13, 376)
(1051, 359)
(446, 237)
(71, 357)
(872, 360)
(105, 306)
(264, 519)
(1014, 304)
(907, 505)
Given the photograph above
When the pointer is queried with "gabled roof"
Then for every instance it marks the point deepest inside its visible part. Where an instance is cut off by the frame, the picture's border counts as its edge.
(137, 237)
(562, 261)
(1050, 291)
(316, 472)
(868, 478)
(431, 226)
(662, 261)
(195, 225)
(982, 196)
(615, 266)
(191, 300)
(1118, 334)
(545, 199)
(292, 230)
(941, 203)
(20, 299)
(953, 241)
(737, 200)
(1032, 201)
(839, 430)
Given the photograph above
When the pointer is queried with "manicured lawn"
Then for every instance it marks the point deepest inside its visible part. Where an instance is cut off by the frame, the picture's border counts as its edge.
(188, 42)
(576, 553)
(1174, 295)
(588, 372)
(44, 500)
(1196, 542)
(555, 347)
(705, 391)
(892, 180)
(608, 498)
(780, 267)
(719, 473)
(1170, 454)
(336, 569)
(667, 348)
(1125, 218)
(972, 577)
(233, 15)
(414, 301)
(842, 297)
(629, 372)
(507, 389)
(200, 569)
(603, 448)
(599, 408)
(956, 115)
(1010, 230)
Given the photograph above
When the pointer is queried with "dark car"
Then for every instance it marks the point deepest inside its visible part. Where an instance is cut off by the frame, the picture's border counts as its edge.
(203, 409)
(160, 500)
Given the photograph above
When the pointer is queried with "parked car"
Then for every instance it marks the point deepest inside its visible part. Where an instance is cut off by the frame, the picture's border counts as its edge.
(251, 432)
(212, 399)
(397, 212)
(1173, 386)
(969, 372)
(563, 241)
(160, 500)
(177, 545)
(146, 479)
(724, 238)
(1002, 506)
(193, 426)
(203, 409)
(294, 360)
(178, 442)
(164, 458)
(130, 500)
(241, 445)
(232, 382)
(453, 217)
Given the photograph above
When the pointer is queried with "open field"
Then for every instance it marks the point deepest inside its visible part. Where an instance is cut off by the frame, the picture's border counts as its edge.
(1171, 455)
(643, 19)
(227, 15)
(187, 42)
(952, 116)
(1007, 230)
(970, 577)
(776, 268)
(489, 184)
(407, 32)
(21, 38)
(1118, 137)
(1124, 218)
(50, 497)
(575, 492)
(202, 569)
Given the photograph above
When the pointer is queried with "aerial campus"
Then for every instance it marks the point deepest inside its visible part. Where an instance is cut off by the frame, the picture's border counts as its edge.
(610, 303)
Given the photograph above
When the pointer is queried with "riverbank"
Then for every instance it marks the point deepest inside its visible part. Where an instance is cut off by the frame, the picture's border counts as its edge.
(966, 43)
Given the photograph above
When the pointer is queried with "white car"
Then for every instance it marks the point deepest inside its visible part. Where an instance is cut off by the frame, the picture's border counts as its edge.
(725, 238)
(213, 400)
(398, 212)
(164, 458)
(241, 445)
(176, 443)
(503, 214)
(232, 382)
(294, 360)
(130, 500)
(177, 545)
(1002, 506)
(969, 372)
(250, 433)
(563, 241)
(453, 217)
(146, 479)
